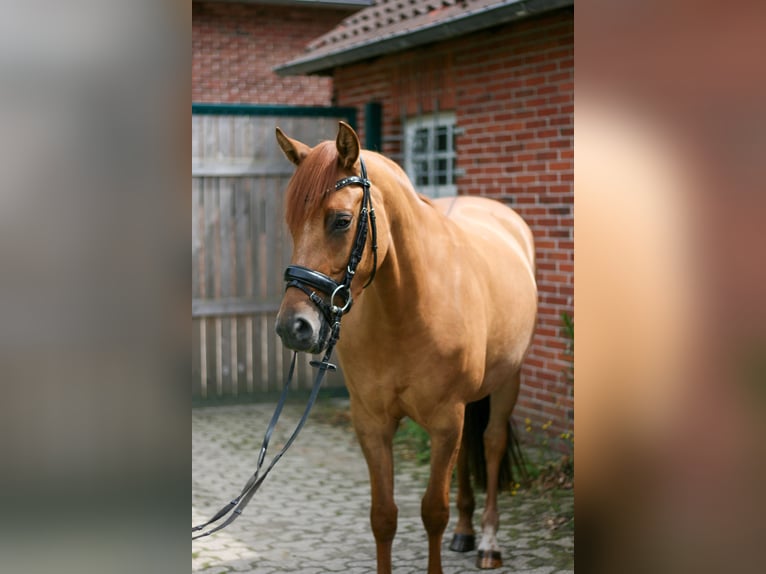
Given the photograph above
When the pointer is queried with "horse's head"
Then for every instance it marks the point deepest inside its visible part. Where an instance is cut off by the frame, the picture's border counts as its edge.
(325, 217)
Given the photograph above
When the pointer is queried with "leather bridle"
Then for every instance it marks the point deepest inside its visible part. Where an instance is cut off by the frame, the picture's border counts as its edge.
(304, 279)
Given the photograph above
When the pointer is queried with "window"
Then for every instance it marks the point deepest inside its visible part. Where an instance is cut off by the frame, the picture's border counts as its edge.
(430, 154)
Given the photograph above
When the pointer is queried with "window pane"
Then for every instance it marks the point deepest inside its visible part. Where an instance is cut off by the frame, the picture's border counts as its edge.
(441, 138)
(421, 173)
(441, 172)
(420, 141)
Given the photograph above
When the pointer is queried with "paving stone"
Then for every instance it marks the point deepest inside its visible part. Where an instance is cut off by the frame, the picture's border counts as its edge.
(312, 513)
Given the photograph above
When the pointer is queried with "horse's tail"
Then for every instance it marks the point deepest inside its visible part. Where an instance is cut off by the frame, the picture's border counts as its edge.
(512, 465)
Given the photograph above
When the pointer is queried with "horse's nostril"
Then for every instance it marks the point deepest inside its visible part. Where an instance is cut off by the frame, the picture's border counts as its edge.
(298, 331)
(302, 329)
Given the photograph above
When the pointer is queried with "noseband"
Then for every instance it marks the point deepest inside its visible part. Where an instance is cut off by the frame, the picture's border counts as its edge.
(305, 279)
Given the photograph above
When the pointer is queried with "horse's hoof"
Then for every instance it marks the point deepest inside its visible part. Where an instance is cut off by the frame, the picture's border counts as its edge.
(463, 543)
(489, 559)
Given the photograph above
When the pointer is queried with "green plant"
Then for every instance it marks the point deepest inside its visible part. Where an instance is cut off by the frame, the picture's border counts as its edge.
(413, 441)
(550, 461)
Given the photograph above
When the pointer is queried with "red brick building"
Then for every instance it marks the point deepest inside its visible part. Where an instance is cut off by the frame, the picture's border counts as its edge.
(235, 46)
(475, 97)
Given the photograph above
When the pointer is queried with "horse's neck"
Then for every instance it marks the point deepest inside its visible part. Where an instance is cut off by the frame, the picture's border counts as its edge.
(415, 230)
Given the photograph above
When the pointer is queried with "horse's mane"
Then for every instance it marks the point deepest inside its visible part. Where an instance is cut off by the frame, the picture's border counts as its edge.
(427, 200)
(314, 178)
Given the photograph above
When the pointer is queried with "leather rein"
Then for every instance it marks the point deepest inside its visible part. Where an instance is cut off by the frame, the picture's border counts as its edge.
(305, 279)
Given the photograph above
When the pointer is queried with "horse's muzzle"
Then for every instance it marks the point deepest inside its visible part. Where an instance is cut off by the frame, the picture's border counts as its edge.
(302, 330)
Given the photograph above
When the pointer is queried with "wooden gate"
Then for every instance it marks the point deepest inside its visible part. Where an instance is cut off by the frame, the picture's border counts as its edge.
(240, 244)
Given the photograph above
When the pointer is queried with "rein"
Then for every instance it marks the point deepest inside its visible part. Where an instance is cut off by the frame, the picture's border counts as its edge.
(304, 278)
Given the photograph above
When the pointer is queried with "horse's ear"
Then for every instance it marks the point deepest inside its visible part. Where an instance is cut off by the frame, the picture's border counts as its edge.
(348, 145)
(294, 150)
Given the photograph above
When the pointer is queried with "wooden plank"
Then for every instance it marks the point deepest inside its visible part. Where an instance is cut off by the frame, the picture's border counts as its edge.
(228, 190)
(211, 281)
(258, 243)
(249, 354)
(273, 256)
(215, 149)
(210, 135)
(258, 236)
(226, 273)
(241, 286)
(302, 371)
(231, 306)
(272, 373)
(218, 357)
(197, 386)
(285, 358)
(203, 359)
(284, 244)
(197, 242)
(210, 199)
(196, 136)
(211, 345)
(239, 133)
(214, 167)
(265, 143)
(262, 346)
(233, 358)
(227, 139)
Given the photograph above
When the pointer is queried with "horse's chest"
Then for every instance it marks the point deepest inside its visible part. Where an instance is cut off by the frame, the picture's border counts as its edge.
(422, 356)
(416, 367)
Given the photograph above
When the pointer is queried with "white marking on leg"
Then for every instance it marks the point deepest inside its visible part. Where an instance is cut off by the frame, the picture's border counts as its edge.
(489, 540)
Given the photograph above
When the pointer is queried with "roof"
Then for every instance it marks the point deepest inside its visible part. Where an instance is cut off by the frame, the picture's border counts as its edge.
(393, 25)
(349, 4)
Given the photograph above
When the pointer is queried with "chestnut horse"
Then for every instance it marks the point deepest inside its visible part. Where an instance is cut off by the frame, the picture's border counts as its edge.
(439, 332)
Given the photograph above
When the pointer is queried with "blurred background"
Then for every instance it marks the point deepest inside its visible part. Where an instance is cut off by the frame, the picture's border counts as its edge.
(94, 286)
(670, 401)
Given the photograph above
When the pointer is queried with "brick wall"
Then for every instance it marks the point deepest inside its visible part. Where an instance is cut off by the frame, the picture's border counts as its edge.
(512, 90)
(235, 47)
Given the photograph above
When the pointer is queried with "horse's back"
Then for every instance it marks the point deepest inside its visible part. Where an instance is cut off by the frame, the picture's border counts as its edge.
(500, 250)
(492, 220)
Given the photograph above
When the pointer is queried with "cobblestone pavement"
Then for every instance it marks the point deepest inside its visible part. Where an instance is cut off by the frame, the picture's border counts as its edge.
(312, 513)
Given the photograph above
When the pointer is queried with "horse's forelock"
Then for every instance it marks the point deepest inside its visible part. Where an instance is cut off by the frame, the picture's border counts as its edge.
(316, 174)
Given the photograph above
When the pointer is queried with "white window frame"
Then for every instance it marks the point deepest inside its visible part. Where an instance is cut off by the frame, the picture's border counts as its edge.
(431, 123)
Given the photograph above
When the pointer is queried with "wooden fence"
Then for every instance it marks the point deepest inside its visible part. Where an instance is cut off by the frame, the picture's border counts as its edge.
(240, 245)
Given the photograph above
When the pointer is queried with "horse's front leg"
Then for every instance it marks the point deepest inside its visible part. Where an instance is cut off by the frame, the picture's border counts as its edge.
(445, 440)
(376, 438)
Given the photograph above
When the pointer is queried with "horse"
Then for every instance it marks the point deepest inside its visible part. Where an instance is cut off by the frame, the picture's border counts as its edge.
(444, 309)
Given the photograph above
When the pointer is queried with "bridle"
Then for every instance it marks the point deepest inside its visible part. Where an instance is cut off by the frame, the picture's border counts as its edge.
(304, 279)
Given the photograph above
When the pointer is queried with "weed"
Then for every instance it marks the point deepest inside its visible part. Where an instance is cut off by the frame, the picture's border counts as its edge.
(413, 441)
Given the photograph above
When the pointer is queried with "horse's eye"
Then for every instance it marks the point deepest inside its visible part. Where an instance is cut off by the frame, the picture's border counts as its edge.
(342, 222)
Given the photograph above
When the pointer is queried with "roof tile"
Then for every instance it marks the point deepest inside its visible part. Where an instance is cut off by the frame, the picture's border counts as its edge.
(388, 25)
(386, 17)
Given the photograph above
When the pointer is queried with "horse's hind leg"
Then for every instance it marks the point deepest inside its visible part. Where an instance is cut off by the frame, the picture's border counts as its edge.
(495, 447)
